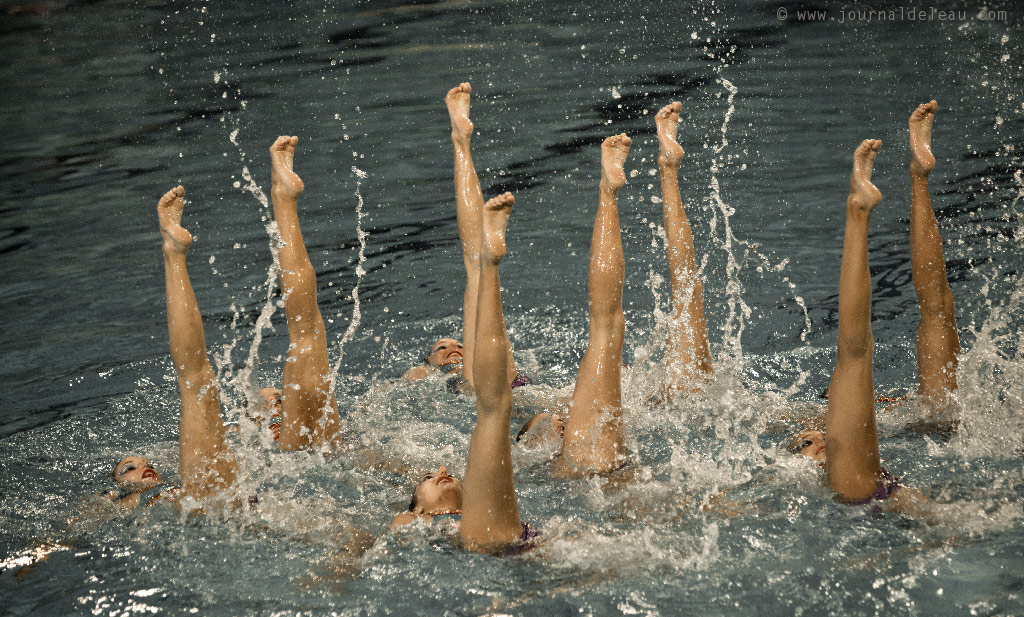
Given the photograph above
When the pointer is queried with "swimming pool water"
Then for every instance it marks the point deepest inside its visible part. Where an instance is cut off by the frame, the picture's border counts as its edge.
(107, 106)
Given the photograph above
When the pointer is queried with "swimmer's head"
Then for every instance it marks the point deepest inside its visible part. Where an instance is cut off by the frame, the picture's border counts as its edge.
(437, 492)
(134, 473)
(270, 400)
(809, 443)
(267, 410)
(267, 406)
(446, 351)
(541, 429)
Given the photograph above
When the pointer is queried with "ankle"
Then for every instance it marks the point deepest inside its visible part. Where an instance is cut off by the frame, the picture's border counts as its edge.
(917, 173)
(856, 207)
(608, 189)
(172, 249)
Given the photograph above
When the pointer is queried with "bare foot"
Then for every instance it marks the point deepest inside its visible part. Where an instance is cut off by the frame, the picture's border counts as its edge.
(667, 121)
(613, 157)
(172, 204)
(495, 218)
(282, 155)
(922, 161)
(864, 195)
(457, 101)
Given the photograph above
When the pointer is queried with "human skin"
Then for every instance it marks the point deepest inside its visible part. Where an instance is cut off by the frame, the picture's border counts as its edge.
(851, 435)
(688, 354)
(594, 440)
(938, 344)
(309, 412)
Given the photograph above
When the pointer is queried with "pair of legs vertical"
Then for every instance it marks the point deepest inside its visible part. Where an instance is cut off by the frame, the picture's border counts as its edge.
(594, 437)
(490, 510)
(309, 412)
(310, 416)
(851, 436)
(469, 205)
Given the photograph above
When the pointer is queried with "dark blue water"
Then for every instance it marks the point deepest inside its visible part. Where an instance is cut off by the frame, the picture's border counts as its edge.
(107, 106)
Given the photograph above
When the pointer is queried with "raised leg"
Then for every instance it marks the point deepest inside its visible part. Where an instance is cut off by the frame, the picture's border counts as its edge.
(851, 436)
(594, 440)
(309, 414)
(490, 512)
(207, 464)
(937, 342)
(688, 354)
(469, 201)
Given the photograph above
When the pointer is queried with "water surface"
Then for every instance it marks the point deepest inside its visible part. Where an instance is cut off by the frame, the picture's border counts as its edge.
(107, 106)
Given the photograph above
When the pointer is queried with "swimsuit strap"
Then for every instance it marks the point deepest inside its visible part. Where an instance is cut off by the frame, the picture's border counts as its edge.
(150, 496)
(891, 399)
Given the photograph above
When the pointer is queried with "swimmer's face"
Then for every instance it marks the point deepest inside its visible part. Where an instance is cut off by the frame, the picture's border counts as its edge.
(444, 351)
(271, 400)
(268, 407)
(438, 492)
(541, 429)
(134, 473)
(809, 443)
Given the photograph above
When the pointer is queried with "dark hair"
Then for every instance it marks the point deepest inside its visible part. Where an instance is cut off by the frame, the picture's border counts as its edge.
(528, 425)
(415, 500)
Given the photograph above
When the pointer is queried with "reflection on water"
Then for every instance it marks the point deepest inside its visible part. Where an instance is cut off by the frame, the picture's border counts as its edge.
(108, 106)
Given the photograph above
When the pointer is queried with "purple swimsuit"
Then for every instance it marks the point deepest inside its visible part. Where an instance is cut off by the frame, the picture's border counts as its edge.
(451, 520)
(529, 533)
(887, 485)
(522, 379)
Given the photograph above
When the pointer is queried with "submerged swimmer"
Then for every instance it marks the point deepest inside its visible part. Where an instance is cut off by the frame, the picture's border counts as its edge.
(268, 410)
(484, 506)
(309, 412)
(849, 447)
(448, 355)
(852, 465)
(592, 434)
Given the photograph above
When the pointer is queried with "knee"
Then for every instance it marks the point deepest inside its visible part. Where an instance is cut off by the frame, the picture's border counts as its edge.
(856, 347)
(939, 307)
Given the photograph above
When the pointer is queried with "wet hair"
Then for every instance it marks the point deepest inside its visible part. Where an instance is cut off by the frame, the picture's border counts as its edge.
(415, 500)
(532, 422)
(457, 384)
(526, 428)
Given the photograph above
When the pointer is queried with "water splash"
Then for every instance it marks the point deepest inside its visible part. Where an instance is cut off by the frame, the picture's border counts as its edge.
(356, 319)
(739, 311)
